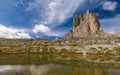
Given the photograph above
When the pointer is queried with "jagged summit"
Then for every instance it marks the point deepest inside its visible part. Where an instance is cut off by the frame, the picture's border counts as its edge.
(85, 25)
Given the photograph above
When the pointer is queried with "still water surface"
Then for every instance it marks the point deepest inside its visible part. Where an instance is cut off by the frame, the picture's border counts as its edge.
(53, 69)
(37, 65)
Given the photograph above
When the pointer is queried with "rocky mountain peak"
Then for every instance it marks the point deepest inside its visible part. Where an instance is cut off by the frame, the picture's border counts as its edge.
(85, 25)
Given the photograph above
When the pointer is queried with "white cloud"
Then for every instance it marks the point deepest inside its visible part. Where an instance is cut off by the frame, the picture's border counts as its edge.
(41, 28)
(54, 12)
(19, 2)
(111, 24)
(108, 5)
(9, 32)
(45, 30)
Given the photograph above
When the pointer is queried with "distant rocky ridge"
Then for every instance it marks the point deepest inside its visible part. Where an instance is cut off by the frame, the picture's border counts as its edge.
(86, 25)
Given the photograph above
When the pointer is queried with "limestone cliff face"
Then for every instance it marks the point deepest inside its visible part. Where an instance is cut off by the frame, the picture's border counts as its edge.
(87, 25)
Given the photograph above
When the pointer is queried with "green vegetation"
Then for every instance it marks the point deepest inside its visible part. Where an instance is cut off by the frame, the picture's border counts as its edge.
(96, 46)
(93, 49)
(100, 47)
(108, 52)
(52, 50)
(117, 49)
(45, 49)
(64, 51)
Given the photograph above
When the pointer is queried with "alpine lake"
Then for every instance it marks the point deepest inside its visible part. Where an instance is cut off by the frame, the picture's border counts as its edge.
(50, 64)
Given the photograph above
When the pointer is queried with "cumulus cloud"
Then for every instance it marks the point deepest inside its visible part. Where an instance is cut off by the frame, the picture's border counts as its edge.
(54, 12)
(40, 28)
(111, 24)
(108, 5)
(9, 32)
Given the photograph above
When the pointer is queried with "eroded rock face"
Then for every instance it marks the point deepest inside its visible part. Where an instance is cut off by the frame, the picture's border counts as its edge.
(69, 34)
(87, 25)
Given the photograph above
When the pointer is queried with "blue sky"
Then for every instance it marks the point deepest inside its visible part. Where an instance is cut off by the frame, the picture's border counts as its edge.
(52, 18)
